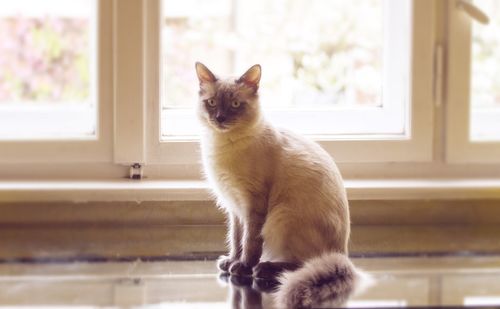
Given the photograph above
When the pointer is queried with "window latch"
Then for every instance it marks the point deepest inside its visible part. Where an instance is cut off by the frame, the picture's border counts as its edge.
(136, 171)
(473, 11)
(438, 74)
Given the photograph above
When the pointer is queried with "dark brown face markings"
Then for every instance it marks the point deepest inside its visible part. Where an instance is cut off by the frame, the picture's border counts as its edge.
(232, 104)
(223, 113)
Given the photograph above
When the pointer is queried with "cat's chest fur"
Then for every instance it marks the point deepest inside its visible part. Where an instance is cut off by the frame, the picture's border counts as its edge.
(236, 172)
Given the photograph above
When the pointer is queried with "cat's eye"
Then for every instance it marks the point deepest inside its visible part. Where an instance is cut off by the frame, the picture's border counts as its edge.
(235, 104)
(211, 102)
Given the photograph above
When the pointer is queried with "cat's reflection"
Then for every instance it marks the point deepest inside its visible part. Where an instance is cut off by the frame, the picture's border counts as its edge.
(247, 292)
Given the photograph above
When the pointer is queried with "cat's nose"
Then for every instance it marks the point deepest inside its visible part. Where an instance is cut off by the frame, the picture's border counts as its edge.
(220, 118)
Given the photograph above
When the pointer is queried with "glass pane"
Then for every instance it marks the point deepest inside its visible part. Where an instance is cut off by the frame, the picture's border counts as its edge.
(47, 78)
(485, 96)
(316, 55)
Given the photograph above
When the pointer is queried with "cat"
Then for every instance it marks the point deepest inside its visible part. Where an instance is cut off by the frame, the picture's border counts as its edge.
(287, 208)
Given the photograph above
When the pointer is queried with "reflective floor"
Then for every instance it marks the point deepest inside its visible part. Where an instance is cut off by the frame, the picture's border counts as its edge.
(398, 282)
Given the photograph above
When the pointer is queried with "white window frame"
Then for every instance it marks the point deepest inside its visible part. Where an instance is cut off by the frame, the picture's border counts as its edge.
(459, 147)
(129, 81)
(98, 149)
(415, 147)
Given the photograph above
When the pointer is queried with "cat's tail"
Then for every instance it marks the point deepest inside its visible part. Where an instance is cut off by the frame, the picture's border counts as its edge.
(328, 279)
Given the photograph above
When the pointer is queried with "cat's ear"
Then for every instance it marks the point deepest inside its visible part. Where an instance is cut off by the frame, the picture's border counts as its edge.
(204, 74)
(251, 78)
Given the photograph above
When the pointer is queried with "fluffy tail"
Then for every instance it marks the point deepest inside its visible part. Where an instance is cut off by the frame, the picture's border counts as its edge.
(329, 279)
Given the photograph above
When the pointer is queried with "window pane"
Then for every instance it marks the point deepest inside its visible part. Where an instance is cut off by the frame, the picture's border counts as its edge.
(485, 96)
(318, 55)
(47, 78)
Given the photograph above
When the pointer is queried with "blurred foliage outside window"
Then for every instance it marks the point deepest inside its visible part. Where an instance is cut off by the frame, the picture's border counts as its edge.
(44, 57)
(315, 54)
(486, 58)
(485, 79)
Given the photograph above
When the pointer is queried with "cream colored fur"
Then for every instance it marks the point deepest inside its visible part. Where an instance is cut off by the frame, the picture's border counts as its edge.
(295, 178)
(307, 210)
(287, 179)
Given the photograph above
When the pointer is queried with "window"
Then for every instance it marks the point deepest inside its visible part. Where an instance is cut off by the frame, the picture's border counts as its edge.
(361, 77)
(47, 81)
(485, 83)
(55, 82)
(330, 67)
(473, 111)
(374, 93)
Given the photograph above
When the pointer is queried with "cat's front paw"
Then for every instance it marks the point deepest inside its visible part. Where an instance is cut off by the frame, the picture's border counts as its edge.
(224, 263)
(240, 269)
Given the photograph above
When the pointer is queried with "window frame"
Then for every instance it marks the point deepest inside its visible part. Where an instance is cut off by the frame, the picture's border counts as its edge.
(459, 147)
(424, 156)
(415, 148)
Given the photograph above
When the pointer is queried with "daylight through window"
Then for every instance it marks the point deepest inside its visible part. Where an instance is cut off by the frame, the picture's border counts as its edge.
(325, 63)
(485, 94)
(47, 81)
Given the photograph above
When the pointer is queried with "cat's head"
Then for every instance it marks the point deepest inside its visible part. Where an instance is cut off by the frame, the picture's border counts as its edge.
(231, 103)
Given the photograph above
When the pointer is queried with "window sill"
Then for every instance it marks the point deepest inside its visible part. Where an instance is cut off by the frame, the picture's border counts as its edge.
(184, 190)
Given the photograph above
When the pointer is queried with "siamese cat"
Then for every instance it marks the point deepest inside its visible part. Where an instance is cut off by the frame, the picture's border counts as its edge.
(287, 209)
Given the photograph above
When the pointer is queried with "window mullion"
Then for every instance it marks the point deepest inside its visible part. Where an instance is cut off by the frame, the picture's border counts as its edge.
(129, 113)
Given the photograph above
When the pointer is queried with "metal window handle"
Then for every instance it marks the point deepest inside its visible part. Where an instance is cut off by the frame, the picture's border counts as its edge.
(473, 11)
